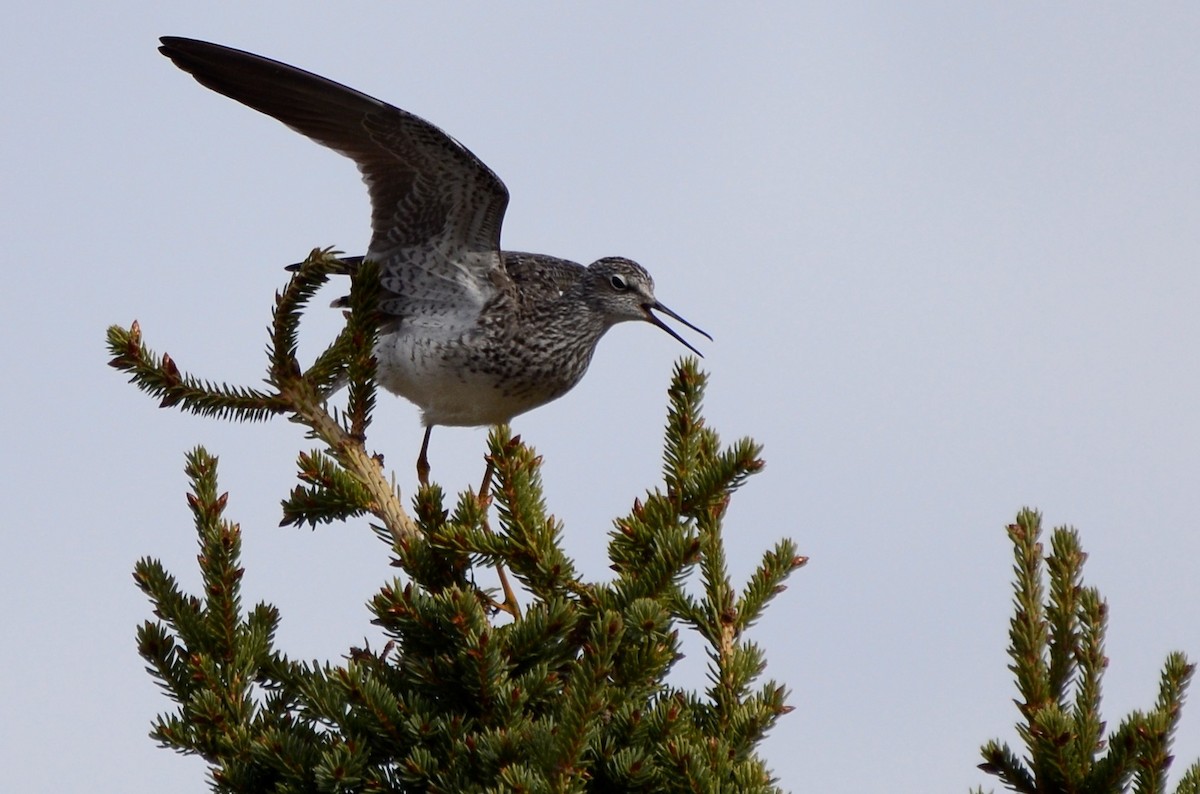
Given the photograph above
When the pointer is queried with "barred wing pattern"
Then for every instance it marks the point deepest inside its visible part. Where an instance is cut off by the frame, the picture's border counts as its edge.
(436, 209)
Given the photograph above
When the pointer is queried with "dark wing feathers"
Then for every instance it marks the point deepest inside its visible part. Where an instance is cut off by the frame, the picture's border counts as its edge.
(429, 193)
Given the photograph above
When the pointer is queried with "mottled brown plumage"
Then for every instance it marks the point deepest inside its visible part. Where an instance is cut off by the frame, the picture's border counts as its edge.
(476, 335)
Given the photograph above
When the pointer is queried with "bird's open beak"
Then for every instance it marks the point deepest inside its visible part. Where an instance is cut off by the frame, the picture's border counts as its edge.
(653, 319)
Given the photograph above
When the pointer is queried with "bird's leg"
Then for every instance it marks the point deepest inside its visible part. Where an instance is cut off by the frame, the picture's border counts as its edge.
(485, 487)
(510, 605)
(423, 459)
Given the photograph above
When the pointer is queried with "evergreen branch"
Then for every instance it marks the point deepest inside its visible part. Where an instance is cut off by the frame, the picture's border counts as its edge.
(541, 639)
(755, 715)
(719, 474)
(1064, 565)
(334, 494)
(1158, 728)
(1002, 762)
(342, 767)
(220, 547)
(731, 671)
(327, 373)
(207, 655)
(289, 307)
(375, 709)
(442, 634)
(183, 614)
(625, 754)
(1028, 630)
(1176, 675)
(767, 582)
(1190, 782)
(720, 624)
(319, 694)
(304, 398)
(1091, 662)
(700, 479)
(1064, 747)
(344, 443)
(314, 506)
(1113, 771)
(363, 327)
(1150, 772)
(161, 378)
(769, 705)
(687, 608)
(383, 500)
(649, 649)
(165, 660)
(531, 545)
(649, 561)
(684, 445)
(433, 559)
(1050, 734)
(585, 698)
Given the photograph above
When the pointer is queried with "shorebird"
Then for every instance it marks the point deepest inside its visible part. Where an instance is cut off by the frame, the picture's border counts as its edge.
(473, 335)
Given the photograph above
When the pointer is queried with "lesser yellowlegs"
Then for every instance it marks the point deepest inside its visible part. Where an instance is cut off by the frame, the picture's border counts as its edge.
(474, 335)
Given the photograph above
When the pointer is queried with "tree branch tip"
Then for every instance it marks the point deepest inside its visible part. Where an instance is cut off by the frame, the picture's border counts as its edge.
(168, 364)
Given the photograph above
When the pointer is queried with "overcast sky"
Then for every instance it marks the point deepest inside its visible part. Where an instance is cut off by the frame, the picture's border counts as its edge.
(948, 255)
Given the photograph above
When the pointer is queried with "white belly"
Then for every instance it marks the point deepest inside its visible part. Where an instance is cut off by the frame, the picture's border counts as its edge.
(447, 388)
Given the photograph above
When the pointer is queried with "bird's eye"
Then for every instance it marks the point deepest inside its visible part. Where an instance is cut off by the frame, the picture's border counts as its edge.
(618, 283)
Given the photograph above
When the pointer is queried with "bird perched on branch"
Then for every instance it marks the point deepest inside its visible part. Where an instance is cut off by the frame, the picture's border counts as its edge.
(472, 335)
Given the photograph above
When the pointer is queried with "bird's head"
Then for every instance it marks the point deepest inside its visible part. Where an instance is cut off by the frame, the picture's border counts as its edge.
(622, 290)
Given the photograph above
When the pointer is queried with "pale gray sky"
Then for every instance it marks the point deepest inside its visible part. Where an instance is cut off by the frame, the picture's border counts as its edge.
(948, 253)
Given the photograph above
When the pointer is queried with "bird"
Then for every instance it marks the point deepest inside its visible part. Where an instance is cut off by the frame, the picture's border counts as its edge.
(471, 334)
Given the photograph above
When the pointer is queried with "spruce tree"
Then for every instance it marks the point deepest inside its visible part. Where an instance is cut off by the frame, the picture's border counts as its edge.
(561, 687)
(1056, 645)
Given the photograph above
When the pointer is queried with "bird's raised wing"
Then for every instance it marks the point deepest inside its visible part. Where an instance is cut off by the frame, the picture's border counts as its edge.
(436, 209)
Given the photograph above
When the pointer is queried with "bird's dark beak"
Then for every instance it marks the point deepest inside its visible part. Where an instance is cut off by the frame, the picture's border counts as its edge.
(649, 308)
